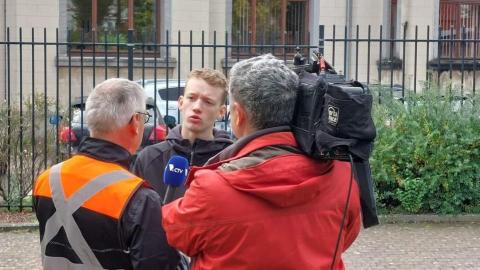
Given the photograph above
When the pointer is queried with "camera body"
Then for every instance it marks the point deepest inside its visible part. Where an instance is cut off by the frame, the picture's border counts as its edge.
(332, 116)
(333, 120)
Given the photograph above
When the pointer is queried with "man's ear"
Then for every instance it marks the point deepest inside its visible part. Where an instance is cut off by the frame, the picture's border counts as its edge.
(134, 124)
(241, 114)
(180, 102)
(221, 112)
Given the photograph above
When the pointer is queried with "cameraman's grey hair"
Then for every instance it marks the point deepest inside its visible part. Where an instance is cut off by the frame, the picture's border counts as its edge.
(267, 88)
(112, 104)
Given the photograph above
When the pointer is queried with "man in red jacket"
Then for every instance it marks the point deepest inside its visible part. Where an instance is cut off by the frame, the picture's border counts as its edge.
(261, 203)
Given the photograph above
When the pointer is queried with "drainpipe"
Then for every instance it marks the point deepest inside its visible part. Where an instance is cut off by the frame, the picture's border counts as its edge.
(348, 51)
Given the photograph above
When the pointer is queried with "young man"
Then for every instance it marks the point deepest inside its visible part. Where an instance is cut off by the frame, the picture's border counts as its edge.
(202, 103)
(93, 213)
(261, 203)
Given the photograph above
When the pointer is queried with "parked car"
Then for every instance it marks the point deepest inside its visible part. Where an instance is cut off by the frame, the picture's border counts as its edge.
(155, 129)
(167, 93)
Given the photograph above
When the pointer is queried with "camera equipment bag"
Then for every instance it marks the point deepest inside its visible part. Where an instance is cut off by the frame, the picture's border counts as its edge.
(333, 120)
(333, 117)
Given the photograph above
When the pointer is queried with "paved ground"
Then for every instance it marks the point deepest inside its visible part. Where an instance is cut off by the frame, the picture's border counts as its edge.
(417, 246)
(19, 250)
(390, 246)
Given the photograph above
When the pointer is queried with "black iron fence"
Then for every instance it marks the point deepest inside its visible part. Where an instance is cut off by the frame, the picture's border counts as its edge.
(46, 80)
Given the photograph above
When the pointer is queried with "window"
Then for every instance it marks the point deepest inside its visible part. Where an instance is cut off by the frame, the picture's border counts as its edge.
(459, 20)
(269, 22)
(109, 21)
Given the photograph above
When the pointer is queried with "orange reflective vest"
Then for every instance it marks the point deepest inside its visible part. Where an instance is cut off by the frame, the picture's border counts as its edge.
(79, 204)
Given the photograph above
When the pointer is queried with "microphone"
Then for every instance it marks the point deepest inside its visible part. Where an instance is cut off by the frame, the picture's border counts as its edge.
(174, 176)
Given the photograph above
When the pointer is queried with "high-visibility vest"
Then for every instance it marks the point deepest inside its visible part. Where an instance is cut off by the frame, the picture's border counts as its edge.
(79, 204)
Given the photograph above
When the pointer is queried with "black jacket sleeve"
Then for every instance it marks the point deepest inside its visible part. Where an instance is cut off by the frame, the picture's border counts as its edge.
(143, 235)
(137, 166)
(149, 166)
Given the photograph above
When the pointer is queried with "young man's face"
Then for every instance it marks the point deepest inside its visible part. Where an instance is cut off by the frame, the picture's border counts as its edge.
(201, 105)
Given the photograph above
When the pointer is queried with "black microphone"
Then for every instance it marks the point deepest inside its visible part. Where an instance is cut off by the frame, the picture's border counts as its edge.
(174, 176)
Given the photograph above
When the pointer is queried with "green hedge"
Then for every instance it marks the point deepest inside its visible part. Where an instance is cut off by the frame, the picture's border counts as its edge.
(427, 154)
(26, 147)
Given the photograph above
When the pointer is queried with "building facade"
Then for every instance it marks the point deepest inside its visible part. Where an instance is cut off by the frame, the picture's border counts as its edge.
(363, 39)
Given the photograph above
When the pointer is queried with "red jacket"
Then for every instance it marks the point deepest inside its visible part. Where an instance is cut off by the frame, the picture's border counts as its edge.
(267, 207)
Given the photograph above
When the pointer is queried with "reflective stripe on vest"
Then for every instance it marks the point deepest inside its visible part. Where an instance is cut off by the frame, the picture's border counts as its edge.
(63, 217)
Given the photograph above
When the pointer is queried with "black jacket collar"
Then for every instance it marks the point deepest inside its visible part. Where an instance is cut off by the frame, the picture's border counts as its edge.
(105, 151)
(221, 140)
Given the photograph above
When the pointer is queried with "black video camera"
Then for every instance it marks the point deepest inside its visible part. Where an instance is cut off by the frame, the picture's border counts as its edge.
(333, 120)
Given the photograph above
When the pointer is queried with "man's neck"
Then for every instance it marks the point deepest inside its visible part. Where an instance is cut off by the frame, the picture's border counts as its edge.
(118, 138)
(192, 136)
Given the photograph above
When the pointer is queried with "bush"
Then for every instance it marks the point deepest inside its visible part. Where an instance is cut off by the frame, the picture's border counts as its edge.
(427, 154)
(17, 155)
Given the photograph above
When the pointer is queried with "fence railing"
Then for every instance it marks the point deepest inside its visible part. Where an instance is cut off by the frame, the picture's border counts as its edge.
(43, 78)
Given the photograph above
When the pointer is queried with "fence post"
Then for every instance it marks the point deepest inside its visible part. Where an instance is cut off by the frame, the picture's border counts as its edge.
(439, 54)
(130, 46)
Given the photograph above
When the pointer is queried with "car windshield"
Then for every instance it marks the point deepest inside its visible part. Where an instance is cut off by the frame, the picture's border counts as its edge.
(166, 98)
(173, 90)
(171, 93)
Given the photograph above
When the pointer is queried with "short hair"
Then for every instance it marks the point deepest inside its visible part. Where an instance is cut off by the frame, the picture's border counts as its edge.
(112, 104)
(213, 77)
(267, 89)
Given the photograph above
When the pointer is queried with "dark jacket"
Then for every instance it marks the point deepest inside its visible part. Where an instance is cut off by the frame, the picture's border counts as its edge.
(134, 240)
(152, 160)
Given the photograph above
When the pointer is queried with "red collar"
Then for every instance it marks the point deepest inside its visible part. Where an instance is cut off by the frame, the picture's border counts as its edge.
(276, 138)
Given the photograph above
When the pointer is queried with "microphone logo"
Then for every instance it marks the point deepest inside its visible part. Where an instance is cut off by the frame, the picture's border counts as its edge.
(172, 168)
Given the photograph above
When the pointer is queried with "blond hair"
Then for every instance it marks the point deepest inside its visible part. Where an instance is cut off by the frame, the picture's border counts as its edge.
(213, 77)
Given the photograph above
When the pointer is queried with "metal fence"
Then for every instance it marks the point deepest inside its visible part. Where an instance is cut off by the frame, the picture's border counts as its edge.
(42, 76)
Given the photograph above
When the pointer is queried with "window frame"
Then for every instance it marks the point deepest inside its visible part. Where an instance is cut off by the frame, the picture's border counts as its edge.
(112, 49)
(452, 8)
(252, 26)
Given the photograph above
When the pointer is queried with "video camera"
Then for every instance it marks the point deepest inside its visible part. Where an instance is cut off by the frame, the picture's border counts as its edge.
(333, 120)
